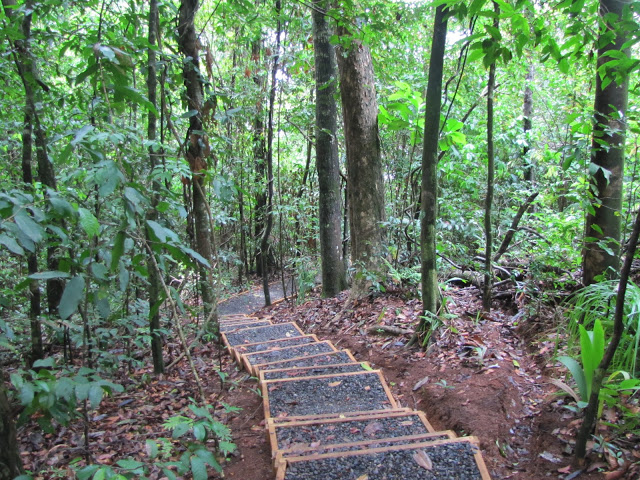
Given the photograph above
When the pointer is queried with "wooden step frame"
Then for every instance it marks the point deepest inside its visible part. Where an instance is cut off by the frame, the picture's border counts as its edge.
(272, 425)
(265, 366)
(294, 327)
(237, 351)
(251, 366)
(263, 373)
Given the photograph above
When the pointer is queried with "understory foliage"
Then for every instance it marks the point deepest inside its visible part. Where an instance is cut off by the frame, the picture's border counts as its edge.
(113, 221)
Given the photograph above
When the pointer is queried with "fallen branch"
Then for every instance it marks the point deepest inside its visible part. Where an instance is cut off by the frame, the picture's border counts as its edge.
(393, 330)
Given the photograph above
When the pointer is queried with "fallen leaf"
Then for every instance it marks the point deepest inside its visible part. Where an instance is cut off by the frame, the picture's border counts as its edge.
(335, 384)
(363, 477)
(372, 428)
(566, 469)
(422, 458)
(420, 383)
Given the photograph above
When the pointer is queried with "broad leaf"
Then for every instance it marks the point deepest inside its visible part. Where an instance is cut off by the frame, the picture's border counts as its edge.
(71, 297)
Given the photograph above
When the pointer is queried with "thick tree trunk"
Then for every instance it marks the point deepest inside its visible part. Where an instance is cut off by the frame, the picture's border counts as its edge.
(488, 233)
(602, 242)
(197, 148)
(155, 286)
(429, 192)
(365, 188)
(327, 161)
(10, 461)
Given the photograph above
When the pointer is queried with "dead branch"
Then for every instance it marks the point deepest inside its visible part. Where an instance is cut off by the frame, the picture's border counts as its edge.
(391, 329)
(514, 226)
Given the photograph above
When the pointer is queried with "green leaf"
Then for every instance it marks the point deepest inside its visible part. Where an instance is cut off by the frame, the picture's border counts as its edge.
(577, 373)
(86, 472)
(26, 394)
(152, 449)
(199, 432)
(117, 250)
(48, 275)
(71, 297)
(198, 468)
(209, 458)
(169, 474)
(130, 464)
(11, 244)
(366, 367)
(61, 206)
(30, 228)
(89, 222)
(135, 96)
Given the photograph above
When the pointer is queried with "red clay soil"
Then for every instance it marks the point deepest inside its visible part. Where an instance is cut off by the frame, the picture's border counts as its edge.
(479, 377)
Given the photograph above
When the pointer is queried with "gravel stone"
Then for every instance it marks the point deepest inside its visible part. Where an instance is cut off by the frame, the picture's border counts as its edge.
(337, 394)
(272, 344)
(452, 461)
(262, 334)
(348, 430)
(288, 353)
(314, 371)
(328, 359)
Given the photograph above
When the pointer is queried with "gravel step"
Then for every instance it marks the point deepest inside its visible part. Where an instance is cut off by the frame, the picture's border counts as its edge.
(308, 433)
(347, 392)
(313, 371)
(240, 350)
(232, 327)
(453, 459)
(328, 416)
(342, 356)
(262, 334)
(286, 353)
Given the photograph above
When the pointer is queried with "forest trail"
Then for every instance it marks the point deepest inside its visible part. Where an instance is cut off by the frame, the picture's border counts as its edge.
(330, 416)
(247, 302)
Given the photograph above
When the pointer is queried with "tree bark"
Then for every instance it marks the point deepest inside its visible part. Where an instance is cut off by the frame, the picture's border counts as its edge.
(155, 286)
(259, 154)
(602, 242)
(198, 144)
(327, 161)
(365, 186)
(10, 461)
(488, 233)
(429, 192)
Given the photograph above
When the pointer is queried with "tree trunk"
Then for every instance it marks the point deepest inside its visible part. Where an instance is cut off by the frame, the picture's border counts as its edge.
(327, 161)
(429, 192)
(259, 154)
(197, 149)
(155, 286)
(486, 294)
(365, 187)
(602, 242)
(264, 240)
(527, 113)
(10, 461)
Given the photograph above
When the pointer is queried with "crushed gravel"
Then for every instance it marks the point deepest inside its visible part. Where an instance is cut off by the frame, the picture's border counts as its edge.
(262, 334)
(337, 394)
(229, 327)
(272, 344)
(314, 371)
(288, 353)
(327, 359)
(453, 461)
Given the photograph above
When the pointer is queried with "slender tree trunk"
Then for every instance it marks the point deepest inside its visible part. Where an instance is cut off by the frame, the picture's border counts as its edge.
(429, 193)
(10, 461)
(590, 414)
(365, 186)
(602, 242)
(327, 161)
(155, 286)
(264, 241)
(259, 154)
(488, 233)
(197, 149)
(527, 113)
